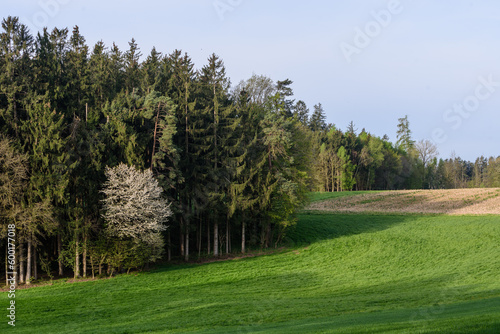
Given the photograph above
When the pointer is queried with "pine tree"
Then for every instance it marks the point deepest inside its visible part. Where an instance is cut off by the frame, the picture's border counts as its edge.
(182, 88)
(50, 68)
(318, 118)
(49, 165)
(100, 86)
(285, 91)
(301, 112)
(78, 76)
(16, 47)
(132, 67)
(151, 76)
(117, 70)
(221, 142)
(404, 140)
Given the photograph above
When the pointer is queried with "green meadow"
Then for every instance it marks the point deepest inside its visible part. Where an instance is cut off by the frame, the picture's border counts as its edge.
(340, 273)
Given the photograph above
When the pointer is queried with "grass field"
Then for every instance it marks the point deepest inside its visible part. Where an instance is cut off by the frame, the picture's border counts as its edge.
(343, 273)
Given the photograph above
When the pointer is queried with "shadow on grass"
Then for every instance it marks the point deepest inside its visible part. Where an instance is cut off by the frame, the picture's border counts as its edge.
(475, 317)
(313, 226)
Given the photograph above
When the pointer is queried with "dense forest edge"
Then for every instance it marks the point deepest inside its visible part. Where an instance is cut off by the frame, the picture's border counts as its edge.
(110, 161)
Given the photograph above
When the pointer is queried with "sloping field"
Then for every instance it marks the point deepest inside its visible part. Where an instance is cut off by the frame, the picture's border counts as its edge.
(346, 273)
(451, 202)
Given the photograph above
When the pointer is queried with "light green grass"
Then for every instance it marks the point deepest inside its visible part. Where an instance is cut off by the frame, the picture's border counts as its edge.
(344, 274)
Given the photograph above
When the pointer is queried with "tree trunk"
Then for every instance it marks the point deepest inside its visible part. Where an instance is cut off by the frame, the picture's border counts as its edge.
(268, 235)
(92, 266)
(35, 263)
(17, 269)
(59, 252)
(216, 239)
(199, 235)
(186, 255)
(154, 135)
(227, 235)
(229, 239)
(77, 257)
(182, 240)
(21, 263)
(7, 264)
(169, 247)
(243, 240)
(84, 259)
(28, 262)
(209, 237)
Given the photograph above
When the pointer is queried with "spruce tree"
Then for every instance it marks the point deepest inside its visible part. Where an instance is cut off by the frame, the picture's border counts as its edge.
(318, 118)
(16, 48)
(132, 67)
(151, 76)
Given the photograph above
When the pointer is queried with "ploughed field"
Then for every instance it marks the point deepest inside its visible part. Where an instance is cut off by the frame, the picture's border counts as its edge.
(452, 202)
(342, 273)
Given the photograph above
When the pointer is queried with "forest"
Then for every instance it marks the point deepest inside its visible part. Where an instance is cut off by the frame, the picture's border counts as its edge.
(228, 166)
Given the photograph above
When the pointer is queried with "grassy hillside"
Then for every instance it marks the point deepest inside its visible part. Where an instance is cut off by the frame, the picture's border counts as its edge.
(346, 274)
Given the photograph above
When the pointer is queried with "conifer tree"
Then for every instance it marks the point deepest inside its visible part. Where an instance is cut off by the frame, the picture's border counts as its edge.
(78, 76)
(100, 86)
(404, 140)
(220, 142)
(301, 112)
(132, 67)
(151, 76)
(182, 87)
(16, 47)
(318, 118)
(49, 163)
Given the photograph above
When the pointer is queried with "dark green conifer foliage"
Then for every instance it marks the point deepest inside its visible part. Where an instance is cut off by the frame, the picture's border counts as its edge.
(78, 76)
(152, 74)
(318, 119)
(16, 48)
(132, 67)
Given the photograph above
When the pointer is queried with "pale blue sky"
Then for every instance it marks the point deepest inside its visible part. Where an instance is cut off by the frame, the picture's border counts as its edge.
(423, 57)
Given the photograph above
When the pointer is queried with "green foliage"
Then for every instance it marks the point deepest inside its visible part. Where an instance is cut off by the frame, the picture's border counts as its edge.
(240, 158)
(347, 180)
(318, 119)
(404, 141)
(13, 175)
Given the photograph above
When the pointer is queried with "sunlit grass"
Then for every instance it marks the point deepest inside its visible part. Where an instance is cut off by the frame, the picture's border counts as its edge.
(342, 274)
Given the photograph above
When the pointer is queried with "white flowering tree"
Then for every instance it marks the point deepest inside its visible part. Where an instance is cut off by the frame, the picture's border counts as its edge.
(134, 209)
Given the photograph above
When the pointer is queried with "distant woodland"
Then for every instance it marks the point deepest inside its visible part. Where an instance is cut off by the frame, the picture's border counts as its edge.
(87, 133)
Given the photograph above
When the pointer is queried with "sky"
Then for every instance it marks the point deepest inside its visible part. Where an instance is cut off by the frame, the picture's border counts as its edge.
(370, 62)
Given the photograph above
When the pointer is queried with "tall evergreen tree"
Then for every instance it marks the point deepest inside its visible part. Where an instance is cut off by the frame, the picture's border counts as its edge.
(16, 48)
(151, 76)
(301, 112)
(318, 119)
(78, 75)
(101, 85)
(132, 67)
(404, 139)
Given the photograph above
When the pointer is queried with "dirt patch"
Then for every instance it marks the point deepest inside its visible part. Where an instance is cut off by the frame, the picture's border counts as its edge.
(451, 201)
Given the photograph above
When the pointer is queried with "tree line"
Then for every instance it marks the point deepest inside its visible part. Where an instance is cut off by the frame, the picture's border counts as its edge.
(234, 163)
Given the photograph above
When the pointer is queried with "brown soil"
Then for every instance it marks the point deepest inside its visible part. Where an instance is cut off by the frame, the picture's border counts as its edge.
(451, 202)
